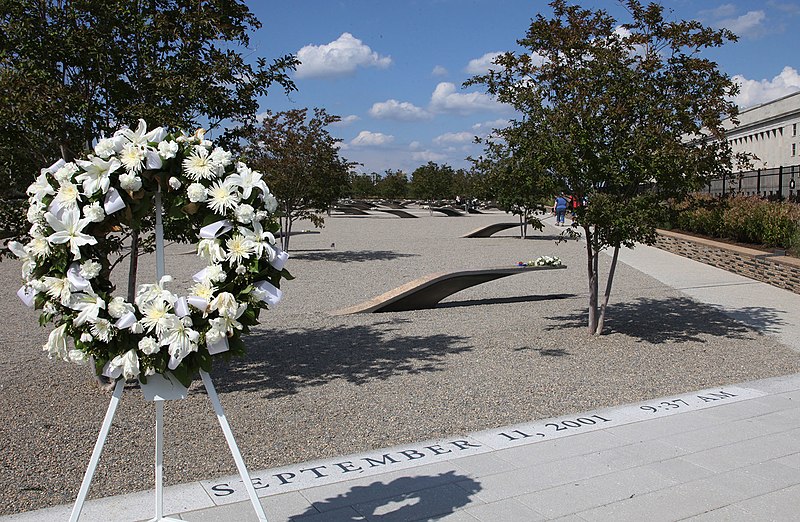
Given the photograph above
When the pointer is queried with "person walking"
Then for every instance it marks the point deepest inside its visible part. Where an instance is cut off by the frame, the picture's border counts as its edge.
(560, 209)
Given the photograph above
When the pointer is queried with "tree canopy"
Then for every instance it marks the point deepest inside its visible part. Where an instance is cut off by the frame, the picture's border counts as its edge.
(301, 163)
(625, 114)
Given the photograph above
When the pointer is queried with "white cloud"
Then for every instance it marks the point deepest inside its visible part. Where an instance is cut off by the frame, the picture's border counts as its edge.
(414, 145)
(346, 120)
(427, 155)
(371, 139)
(338, 58)
(754, 92)
(395, 110)
(723, 11)
(748, 24)
(483, 64)
(454, 137)
(488, 126)
(439, 71)
(446, 99)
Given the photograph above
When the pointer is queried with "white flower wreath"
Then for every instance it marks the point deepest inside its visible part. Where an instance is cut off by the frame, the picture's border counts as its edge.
(78, 211)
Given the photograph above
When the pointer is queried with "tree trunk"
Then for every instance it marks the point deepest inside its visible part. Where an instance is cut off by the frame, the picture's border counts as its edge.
(607, 294)
(133, 265)
(591, 267)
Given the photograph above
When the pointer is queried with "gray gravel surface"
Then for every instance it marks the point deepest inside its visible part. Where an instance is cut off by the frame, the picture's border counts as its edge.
(315, 386)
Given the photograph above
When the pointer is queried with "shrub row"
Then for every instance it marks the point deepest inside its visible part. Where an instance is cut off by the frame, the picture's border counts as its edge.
(747, 219)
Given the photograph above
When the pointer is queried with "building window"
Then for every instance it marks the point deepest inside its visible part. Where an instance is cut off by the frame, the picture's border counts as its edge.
(794, 129)
(794, 149)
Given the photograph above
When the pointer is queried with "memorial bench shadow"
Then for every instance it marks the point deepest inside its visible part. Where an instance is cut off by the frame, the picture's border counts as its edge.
(350, 256)
(678, 319)
(282, 362)
(504, 300)
(422, 497)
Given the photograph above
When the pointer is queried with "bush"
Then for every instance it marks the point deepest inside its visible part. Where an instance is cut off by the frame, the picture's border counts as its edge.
(747, 219)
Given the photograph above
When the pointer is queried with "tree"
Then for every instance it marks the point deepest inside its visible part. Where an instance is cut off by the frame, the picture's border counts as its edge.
(394, 185)
(614, 108)
(74, 70)
(432, 181)
(513, 166)
(362, 185)
(300, 162)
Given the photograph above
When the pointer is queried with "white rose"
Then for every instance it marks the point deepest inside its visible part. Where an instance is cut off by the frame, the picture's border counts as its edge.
(90, 269)
(94, 212)
(130, 182)
(148, 346)
(221, 156)
(244, 213)
(167, 149)
(174, 182)
(215, 273)
(65, 173)
(197, 193)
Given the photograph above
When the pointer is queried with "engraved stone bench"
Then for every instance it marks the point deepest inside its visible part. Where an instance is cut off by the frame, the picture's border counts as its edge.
(489, 230)
(427, 291)
(447, 211)
(397, 212)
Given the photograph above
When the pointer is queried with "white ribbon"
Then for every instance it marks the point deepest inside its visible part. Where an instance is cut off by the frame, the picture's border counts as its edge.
(198, 302)
(75, 278)
(152, 160)
(181, 307)
(112, 373)
(55, 166)
(113, 201)
(126, 321)
(27, 295)
(280, 260)
(218, 347)
(267, 292)
(215, 229)
(199, 276)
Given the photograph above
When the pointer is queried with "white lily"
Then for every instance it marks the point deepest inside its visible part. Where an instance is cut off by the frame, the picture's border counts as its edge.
(180, 341)
(140, 136)
(56, 345)
(247, 179)
(96, 174)
(126, 365)
(40, 188)
(262, 240)
(226, 304)
(28, 262)
(89, 306)
(149, 293)
(68, 229)
(211, 251)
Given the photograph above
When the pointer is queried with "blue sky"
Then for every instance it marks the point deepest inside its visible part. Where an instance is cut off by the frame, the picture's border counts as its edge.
(393, 69)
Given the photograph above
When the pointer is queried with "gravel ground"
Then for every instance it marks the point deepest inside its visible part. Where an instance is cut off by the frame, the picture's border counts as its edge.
(316, 385)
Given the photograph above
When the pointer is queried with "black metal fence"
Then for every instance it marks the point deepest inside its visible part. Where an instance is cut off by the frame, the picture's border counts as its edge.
(776, 183)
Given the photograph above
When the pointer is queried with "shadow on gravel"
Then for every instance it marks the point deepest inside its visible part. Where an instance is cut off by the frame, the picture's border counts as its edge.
(505, 300)
(283, 362)
(350, 256)
(425, 497)
(671, 320)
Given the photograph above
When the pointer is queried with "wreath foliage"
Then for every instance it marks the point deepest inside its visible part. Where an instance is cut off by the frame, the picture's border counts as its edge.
(82, 214)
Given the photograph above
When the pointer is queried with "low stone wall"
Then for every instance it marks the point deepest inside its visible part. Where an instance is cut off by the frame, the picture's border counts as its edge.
(778, 270)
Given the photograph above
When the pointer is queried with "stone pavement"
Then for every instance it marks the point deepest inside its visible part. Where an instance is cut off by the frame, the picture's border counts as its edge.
(725, 453)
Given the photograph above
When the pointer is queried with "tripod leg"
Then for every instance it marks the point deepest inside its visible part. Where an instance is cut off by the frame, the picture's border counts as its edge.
(237, 457)
(98, 449)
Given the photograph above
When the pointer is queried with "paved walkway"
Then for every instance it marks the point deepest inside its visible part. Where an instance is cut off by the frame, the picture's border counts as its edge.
(726, 453)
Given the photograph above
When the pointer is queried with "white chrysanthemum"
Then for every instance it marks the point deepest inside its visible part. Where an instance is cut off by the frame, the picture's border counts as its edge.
(102, 329)
(130, 182)
(167, 149)
(132, 157)
(199, 164)
(90, 269)
(215, 273)
(94, 212)
(204, 289)
(39, 247)
(36, 212)
(67, 195)
(58, 288)
(239, 248)
(197, 193)
(157, 317)
(244, 213)
(222, 197)
(148, 346)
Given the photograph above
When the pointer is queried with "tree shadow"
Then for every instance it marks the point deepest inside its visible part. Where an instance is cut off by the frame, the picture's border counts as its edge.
(545, 352)
(504, 300)
(351, 256)
(282, 362)
(679, 319)
(426, 497)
